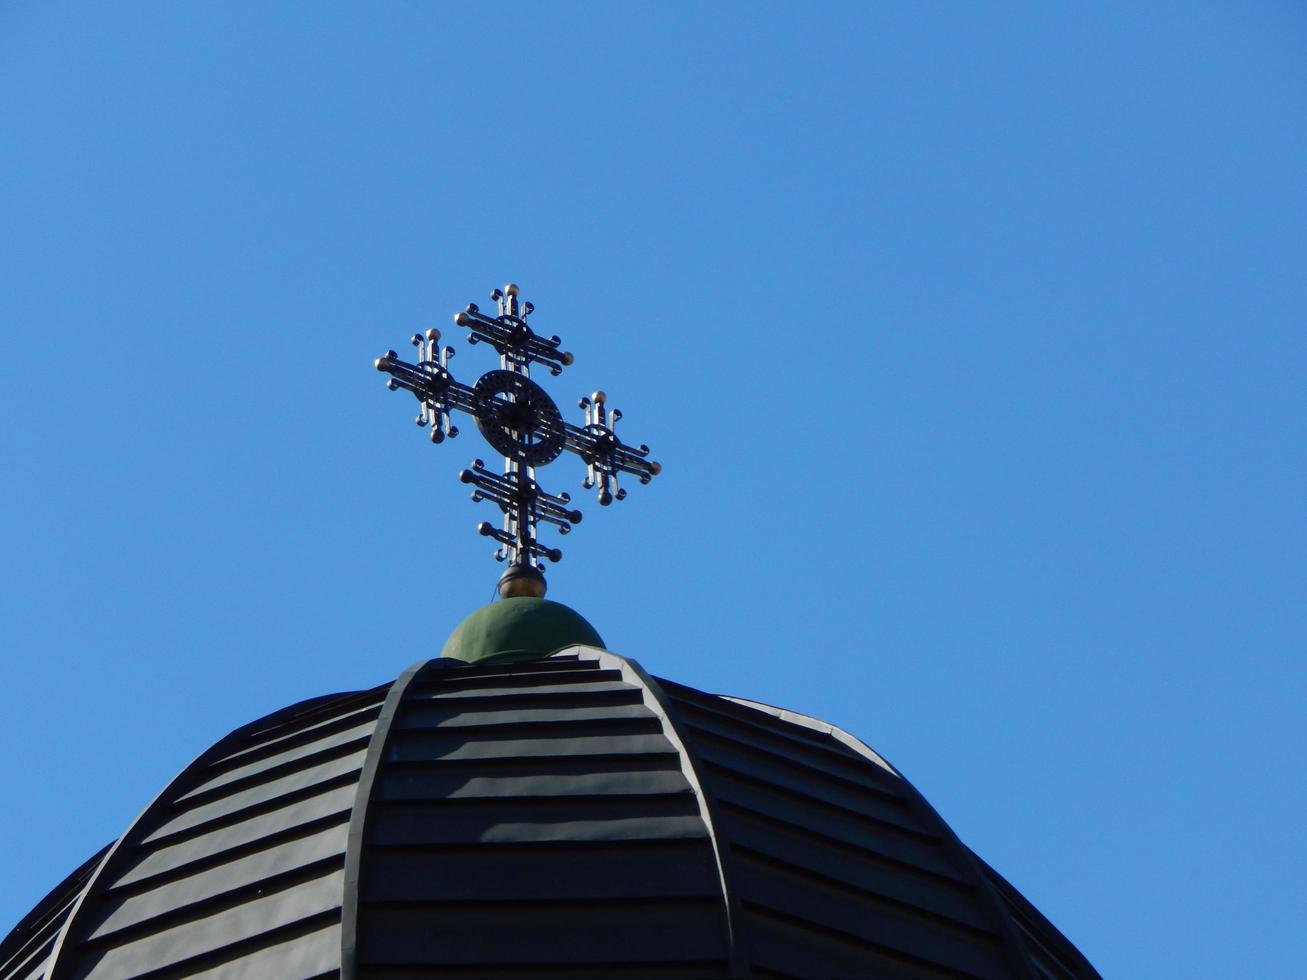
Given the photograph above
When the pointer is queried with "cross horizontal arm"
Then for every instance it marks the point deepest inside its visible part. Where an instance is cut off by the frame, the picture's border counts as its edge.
(524, 506)
(427, 383)
(511, 489)
(605, 449)
(511, 336)
(517, 551)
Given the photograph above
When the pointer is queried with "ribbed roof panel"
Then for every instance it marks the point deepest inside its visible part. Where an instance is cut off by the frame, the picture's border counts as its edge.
(237, 867)
(831, 851)
(566, 817)
(530, 817)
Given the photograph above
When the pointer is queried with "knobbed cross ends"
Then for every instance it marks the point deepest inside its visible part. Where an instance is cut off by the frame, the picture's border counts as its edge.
(520, 422)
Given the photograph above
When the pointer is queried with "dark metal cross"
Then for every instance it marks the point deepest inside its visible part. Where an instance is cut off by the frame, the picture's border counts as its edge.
(522, 423)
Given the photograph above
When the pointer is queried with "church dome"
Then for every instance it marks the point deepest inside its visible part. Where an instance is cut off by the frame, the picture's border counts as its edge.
(566, 815)
(529, 803)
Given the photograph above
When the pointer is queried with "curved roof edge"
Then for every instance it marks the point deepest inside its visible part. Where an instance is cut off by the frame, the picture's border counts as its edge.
(115, 857)
(26, 950)
(1029, 928)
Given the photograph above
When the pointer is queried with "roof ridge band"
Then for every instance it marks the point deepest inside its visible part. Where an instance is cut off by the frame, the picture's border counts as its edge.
(349, 910)
(658, 701)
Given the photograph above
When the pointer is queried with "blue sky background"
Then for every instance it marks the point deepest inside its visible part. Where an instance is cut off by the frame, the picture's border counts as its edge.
(970, 338)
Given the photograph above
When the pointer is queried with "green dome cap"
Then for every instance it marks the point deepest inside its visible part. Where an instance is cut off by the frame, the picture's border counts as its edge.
(520, 628)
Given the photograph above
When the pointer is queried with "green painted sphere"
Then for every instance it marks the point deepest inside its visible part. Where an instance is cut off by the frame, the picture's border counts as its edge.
(518, 629)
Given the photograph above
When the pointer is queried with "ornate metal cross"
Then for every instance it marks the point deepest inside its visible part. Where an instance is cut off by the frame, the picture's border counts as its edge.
(521, 422)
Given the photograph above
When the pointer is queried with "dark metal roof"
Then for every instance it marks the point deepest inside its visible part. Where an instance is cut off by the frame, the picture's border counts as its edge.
(565, 817)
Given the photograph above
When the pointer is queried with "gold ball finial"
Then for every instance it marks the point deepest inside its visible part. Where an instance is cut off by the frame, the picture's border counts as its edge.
(521, 581)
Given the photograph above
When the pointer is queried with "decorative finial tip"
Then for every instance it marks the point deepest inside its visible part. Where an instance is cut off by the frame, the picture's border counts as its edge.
(462, 319)
(511, 289)
(566, 359)
(655, 468)
(599, 398)
(433, 335)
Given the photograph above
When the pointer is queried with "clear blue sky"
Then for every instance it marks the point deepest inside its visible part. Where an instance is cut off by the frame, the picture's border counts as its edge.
(971, 338)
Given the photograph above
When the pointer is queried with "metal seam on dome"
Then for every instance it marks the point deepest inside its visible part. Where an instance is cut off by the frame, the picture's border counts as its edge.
(354, 840)
(817, 725)
(661, 704)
